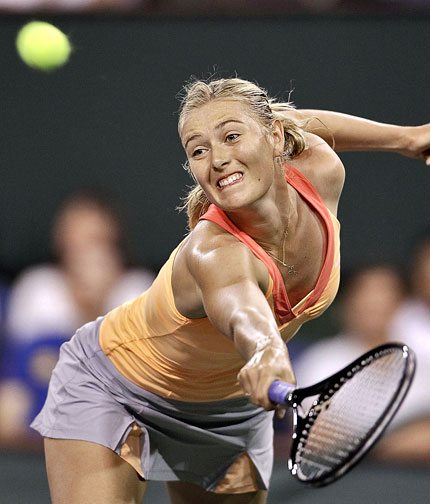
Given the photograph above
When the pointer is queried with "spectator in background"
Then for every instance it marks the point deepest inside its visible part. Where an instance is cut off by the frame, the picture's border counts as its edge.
(49, 302)
(91, 275)
(410, 442)
(368, 300)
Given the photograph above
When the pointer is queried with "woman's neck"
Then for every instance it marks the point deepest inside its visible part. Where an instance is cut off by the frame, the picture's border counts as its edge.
(267, 219)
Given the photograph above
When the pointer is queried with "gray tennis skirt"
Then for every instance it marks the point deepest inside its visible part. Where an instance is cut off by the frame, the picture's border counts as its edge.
(90, 400)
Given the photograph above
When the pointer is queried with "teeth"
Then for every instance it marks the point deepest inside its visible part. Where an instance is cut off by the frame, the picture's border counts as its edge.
(229, 180)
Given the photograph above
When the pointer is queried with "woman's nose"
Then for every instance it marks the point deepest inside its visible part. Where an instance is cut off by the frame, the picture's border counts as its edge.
(220, 157)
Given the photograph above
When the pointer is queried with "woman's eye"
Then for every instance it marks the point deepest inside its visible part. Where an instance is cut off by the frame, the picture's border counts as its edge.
(232, 136)
(197, 152)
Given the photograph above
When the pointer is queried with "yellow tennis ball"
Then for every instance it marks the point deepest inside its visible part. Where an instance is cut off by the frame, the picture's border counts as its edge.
(43, 46)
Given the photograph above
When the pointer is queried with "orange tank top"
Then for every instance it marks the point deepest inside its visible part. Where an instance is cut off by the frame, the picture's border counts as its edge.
(157, 348)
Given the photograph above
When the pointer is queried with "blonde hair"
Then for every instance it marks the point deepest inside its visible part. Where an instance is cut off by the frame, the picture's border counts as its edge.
(265, 110)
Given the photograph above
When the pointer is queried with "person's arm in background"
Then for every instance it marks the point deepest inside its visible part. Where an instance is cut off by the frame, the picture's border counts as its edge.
(351, 133)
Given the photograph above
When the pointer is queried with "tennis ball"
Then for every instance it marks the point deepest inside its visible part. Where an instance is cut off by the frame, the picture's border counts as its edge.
(43, 46)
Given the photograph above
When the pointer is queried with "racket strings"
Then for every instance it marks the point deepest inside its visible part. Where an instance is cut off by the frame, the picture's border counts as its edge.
(340, 423)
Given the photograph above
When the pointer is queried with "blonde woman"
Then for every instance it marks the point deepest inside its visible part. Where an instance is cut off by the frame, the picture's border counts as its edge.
(173, 385)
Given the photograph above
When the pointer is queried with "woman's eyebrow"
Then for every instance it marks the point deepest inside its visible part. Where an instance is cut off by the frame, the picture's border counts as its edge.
(223, 123)
(217, 127)
(192, 137)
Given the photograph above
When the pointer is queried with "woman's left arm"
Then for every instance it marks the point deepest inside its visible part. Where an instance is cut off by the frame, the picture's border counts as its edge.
(351, 133)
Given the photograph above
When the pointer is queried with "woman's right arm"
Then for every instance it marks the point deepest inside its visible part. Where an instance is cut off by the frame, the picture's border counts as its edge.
(229, 281)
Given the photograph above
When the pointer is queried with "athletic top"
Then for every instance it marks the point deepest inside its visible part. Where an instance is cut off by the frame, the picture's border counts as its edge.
(157, 348)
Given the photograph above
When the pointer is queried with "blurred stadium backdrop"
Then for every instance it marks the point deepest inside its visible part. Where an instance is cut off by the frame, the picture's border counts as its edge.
(108, 119)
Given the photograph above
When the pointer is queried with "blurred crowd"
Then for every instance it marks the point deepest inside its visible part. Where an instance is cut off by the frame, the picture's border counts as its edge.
(91, 274)
(216, 7)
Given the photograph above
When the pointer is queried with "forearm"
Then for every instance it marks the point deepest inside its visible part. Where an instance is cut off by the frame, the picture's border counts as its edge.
(241, 312)
(253, 332)
(266, 356)
(253, 329)
(352, 133)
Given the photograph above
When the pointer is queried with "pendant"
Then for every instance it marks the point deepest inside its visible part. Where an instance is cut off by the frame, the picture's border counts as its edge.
(291, 269)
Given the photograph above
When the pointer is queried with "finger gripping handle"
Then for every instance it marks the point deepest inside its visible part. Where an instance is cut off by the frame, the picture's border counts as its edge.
(279, 390)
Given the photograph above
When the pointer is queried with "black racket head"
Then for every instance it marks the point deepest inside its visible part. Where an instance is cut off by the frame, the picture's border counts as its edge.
(351, 410)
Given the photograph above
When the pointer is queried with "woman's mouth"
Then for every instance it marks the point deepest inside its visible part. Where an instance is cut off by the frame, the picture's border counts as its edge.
(229, 180)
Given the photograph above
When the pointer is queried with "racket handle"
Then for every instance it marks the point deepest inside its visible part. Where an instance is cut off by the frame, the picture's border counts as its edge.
(279, 390)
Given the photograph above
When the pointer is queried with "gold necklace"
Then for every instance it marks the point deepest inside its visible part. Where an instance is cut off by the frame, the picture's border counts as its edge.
(291, 268)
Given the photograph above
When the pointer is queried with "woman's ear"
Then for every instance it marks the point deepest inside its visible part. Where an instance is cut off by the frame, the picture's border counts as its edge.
(278, 138)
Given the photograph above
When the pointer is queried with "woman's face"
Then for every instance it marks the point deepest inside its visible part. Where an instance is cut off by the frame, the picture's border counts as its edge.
(230, 154)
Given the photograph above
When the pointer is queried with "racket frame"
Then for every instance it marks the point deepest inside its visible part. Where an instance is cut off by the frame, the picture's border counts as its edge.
(326, 388)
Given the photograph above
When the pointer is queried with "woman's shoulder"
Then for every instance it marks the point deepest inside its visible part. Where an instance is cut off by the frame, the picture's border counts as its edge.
(318, 153)
(210, 256)
(322, 167)
(211, 248)
(209, 238)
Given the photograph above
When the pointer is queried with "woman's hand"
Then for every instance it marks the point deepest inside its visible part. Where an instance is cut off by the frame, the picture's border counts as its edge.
(418, 143)
(269, 362)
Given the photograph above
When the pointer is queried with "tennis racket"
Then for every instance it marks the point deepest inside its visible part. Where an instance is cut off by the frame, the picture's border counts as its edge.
(349, 412)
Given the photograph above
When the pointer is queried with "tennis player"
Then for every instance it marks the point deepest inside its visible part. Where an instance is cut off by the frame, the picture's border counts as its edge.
(173, 385)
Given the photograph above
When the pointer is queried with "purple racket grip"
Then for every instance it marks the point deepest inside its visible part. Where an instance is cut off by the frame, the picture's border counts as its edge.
(279, 390)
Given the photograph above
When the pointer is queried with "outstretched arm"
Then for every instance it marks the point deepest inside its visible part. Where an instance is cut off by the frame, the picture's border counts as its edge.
(351, 133)
(230, 284)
